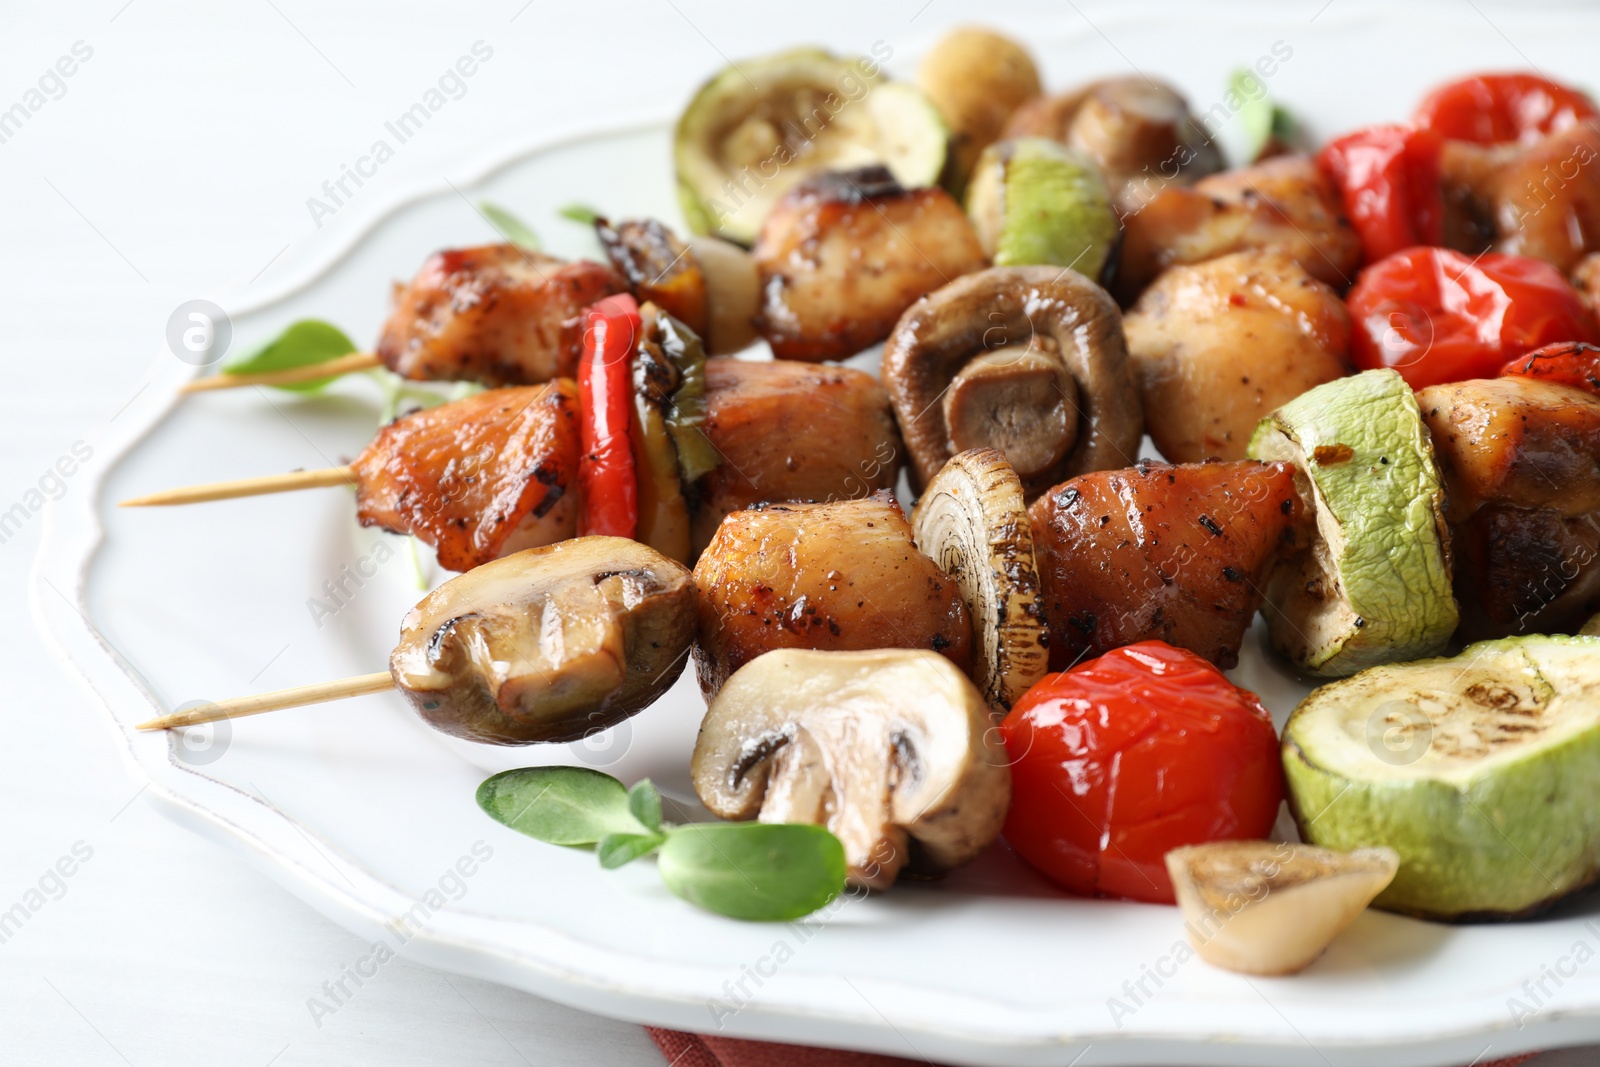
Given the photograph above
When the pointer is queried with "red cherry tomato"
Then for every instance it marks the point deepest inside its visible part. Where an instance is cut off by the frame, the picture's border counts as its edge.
(1120, 760)
(606, 478)
(1388, 178)
(1493, 108)
(1439, 316)
(1571, 363)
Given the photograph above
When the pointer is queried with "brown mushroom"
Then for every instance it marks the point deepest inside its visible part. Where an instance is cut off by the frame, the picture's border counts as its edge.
(550, 644)
(1050, 318)
(1139, 131)
(884, 747)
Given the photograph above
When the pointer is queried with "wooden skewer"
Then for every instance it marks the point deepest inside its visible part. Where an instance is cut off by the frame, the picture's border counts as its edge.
(330, 369)
(268, 483)
(238, 707)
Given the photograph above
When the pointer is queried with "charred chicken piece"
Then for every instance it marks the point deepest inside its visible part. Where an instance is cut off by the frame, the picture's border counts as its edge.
(495, 314)
(792, 431)
(1281, 203)
(1175, 553)
(844, 253)
(1219, 345)
(659, 268)
(478, 478)
(1139, 131)
(1520, 460)
(1541, 200)
(1517, 441)
(835, 576)
(547, 645)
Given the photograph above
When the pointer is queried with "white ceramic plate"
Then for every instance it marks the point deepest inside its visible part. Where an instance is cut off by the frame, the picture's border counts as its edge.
(369, 816)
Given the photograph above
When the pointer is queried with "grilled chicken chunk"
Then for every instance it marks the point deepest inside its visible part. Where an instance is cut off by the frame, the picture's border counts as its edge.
(1540, 200)
(793, 431)
(844, 253)
(1281, 203)
(478, 478)
(495, 314)
(1521, 466)
(1516, 441)
(1179, 553)
(838, 576)
(1217, 346)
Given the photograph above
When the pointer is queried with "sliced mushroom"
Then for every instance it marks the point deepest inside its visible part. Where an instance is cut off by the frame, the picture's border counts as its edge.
(1264, 908)
(839, 575)
(884, 747)
(972, 520)
(1044, 313)
(550, 644)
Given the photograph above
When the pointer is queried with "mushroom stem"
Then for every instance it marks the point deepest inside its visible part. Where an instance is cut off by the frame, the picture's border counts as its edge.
(1023, 403)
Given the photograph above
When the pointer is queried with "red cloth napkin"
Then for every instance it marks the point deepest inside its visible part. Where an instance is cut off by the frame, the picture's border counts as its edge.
(703, 1050)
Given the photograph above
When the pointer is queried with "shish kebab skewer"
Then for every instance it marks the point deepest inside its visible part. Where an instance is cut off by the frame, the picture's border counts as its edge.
(505, 470)
(503, 315)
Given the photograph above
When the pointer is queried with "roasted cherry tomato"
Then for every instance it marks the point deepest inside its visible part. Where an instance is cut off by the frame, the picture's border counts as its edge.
(606, 476)
(1493, 108)
(1571, 363)
(1118, 761)
(1388, 178)
(1439, 316)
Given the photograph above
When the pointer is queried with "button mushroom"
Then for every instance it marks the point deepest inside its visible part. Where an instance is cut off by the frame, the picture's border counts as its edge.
(972, 520)
(1140, 132)
(890, 749)
(839, 575)
(1003, 344)
(550, 644)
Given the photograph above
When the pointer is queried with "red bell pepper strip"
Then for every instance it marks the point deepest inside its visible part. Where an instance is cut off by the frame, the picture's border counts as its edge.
(1388, 178)
(606, 478)
(1496, 108)
(1567, 363)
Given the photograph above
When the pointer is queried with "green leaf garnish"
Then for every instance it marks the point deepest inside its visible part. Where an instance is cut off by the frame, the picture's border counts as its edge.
(579, 213)
(560, 805)
(644, 803)
(511, 228)
(764, 872)
(301, 344)
(616, 849)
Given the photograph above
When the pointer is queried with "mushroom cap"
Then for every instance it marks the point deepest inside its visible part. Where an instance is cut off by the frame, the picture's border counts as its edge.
(884, 747)
(974, 523)
(1002, 306)
(550, 644)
